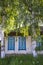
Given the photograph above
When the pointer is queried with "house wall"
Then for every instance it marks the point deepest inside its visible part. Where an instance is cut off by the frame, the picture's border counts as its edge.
(16, 51)
(2, 50)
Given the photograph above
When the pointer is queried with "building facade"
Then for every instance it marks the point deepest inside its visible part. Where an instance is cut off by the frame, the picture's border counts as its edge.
(14, 45)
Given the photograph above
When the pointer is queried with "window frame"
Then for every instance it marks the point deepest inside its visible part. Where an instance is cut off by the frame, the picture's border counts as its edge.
(13, 43)
(23, 42)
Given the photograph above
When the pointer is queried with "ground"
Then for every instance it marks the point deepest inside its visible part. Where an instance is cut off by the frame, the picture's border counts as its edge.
(22, 60)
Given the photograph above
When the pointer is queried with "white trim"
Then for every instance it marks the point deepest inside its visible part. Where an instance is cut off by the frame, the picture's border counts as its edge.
(16, 51)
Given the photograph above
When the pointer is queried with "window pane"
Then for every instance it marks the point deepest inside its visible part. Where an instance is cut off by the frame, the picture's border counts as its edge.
(22, 43)
(11, 43)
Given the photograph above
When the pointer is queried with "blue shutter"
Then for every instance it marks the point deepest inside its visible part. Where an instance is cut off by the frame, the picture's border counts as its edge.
(11, 43)
(22, 43)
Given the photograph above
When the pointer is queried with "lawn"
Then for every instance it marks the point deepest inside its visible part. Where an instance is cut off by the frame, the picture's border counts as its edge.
(22, 60)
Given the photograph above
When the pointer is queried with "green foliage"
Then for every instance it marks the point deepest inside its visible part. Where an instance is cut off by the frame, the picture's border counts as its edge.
(24, 30)
(22, 60)
(19, 12)
(40, 44)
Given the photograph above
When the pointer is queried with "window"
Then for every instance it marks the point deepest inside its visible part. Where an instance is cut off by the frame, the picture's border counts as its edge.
(11, 43)
(22, 43)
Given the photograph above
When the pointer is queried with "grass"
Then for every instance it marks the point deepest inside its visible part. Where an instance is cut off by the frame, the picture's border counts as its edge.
(22, 60)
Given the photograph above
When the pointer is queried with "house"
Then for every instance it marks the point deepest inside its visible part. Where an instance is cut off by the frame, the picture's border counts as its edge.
(13, 44)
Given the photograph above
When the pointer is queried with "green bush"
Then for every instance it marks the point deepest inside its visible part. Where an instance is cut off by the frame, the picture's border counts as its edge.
(40, 47)
(22, 60)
